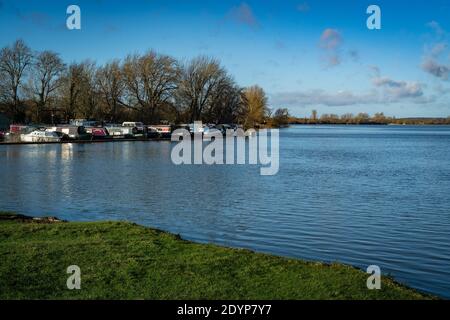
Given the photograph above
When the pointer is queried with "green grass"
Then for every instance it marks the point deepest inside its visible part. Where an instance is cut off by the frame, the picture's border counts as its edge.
(120, 260)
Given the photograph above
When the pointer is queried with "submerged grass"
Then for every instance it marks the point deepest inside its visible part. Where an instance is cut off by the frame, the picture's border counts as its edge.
(120, 260)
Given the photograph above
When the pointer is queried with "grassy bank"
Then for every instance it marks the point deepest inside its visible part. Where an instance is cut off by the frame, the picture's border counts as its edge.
(121, 260)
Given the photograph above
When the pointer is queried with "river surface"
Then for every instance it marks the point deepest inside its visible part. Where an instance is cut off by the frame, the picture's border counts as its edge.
(361, 195)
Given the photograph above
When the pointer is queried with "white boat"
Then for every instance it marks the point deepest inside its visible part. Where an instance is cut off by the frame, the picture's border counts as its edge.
(72, 132)
(41, 136)
(117, 131)
(161, 130)
(136, 127)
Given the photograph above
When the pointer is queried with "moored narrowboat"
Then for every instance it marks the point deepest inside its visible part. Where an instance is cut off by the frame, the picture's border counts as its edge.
(71, 132)
(41, 136)
(98, 132)
(162, 131)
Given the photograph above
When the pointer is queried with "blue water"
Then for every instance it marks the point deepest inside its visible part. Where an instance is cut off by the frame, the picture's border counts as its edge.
(362, 195)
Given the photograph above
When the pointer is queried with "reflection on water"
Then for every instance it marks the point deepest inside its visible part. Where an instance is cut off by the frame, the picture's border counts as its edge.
(358, 195)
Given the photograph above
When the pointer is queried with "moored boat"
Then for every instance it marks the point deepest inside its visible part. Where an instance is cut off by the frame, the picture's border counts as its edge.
(137, 128)
(41, 136)
(162, 131)
(70, 131)
(117, 131)
(98, 132)
(21, 128)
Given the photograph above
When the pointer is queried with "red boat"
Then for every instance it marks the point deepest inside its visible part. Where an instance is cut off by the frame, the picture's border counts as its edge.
(98, 133)
(18, 128)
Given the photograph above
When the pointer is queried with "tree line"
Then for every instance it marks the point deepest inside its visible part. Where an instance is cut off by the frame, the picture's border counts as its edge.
(365, 118)
(40, 87)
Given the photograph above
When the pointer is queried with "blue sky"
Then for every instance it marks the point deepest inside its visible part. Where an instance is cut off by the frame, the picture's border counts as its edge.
(310, 54)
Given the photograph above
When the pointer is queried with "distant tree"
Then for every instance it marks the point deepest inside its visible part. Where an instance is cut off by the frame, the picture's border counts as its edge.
(379, 117)
(3, 92)
(111, 86)
(71, 89)
(255, 100)
(15, 61)
(334, 118)
(150, 81)
(150, 87)
(314, 116)
(202, 79)
(225, 104)
(362, 118)
(347, 118)
(44, 81)
(90, 93)
(281, 117)
(329, 118)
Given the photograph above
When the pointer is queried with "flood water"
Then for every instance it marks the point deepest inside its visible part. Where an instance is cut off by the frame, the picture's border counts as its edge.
(361, 195)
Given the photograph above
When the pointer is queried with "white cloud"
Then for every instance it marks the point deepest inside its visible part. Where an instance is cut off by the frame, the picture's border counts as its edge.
(398, 89)
(431, 62)
(438, 49)
(436, 69)
(384, 91)
(331, 41)
(321, 97)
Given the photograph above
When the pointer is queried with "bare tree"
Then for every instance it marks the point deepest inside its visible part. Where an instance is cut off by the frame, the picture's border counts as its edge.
(362, 117)
(14, 63)
(71, 89)
(79, 92)
(148, 87)
(314, 116)
(281, 117)
(150, 81)
(3, 91)
(89, 96)
(347, 118)
(226, 103)
(45, 80)
(111, 87)
(200, 78)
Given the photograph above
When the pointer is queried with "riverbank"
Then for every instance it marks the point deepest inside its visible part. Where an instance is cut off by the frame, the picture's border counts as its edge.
(121, 260)
(336, 120)
(84, 141)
